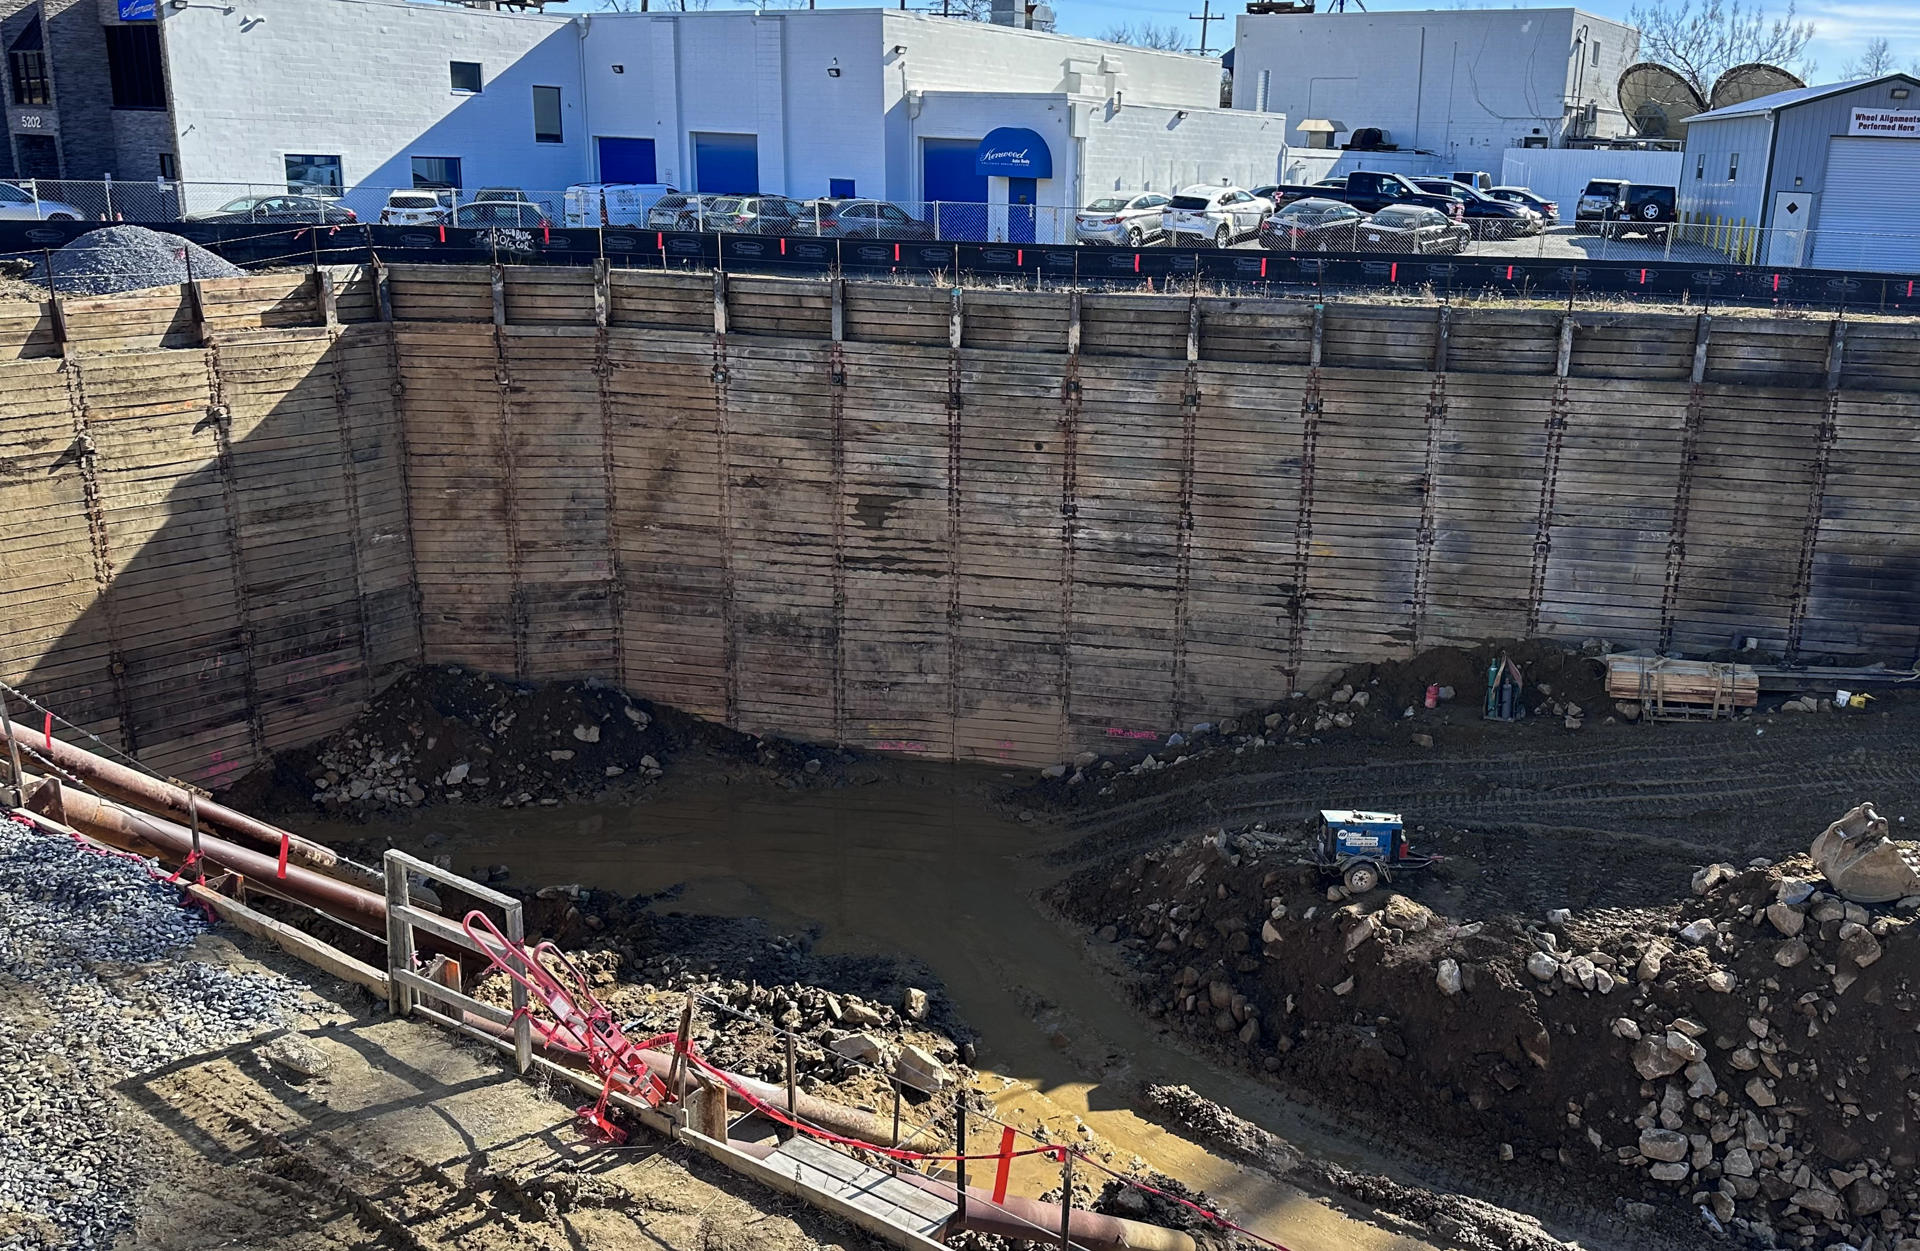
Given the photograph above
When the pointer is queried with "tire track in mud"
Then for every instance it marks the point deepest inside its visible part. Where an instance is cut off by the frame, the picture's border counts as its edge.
(1614, 816)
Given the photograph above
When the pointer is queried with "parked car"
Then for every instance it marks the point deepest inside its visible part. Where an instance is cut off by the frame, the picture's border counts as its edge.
(1127, 221)
(1548, 210)
(679, 210)
(1370, 191)
(1478, 179)
(1635, 208)
(759, 215)
(277, 208)
(18, 205)
(1596, 203)
(1412, 228)
(414, 208)
(1312, 225)
(1205, 213)
(488, 195)
(872, 219)
(611, 203)
(1485, 216)
(491, 213)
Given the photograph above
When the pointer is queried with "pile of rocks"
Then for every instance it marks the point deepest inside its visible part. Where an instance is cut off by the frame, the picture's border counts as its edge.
(445, 735)
(104, 990)
(1743, 1058)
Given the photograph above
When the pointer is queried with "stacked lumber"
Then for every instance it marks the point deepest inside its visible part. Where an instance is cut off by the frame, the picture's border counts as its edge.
(1682, 687)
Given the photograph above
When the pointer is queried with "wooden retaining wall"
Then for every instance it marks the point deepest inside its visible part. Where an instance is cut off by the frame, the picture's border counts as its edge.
(992, 524)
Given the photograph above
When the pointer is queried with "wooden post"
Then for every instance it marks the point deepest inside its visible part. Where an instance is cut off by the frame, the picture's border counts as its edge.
(55, 311)
(719, 302)
(602, 292)
(1836, 353)
(383, 290)
(793, 1082)
(1066, 1198)
(329, 298)
(522, 1023)
(953, 319)
(1702, 335)
(1073, 320)
(1193, 328)
(677, 1072)
(1441, 327)
(197, 310)
(497, 280)
(399, 937)
(1563, 363)
(1319, 335)
(838, 286)
(13, 755)
(711, 1114)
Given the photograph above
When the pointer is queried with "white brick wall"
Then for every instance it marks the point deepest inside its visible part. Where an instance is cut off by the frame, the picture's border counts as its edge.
(367, 80)
(1464, 84)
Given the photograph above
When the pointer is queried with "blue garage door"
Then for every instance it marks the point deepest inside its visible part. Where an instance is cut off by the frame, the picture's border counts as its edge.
(727, 164)
(946, 175)
(626, 160)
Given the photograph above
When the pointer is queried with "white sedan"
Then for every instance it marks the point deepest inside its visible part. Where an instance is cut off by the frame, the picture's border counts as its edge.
(18, 205)
(1222, 216)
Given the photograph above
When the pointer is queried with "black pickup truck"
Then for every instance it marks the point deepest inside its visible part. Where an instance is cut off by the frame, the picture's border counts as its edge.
(1370, 192)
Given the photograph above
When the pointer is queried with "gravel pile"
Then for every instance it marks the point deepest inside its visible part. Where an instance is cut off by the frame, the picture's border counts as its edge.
(100, 993)
(129, 258)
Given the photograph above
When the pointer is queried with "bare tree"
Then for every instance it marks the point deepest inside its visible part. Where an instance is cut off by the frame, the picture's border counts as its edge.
(1147, 35)
(1703, 39)
(658, 6)
(1875, 60)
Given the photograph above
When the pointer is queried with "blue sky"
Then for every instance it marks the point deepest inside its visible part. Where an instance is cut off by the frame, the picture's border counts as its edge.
(1841, 27)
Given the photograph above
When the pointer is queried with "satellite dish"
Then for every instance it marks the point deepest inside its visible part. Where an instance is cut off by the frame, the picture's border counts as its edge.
(1657, 101)
(1749, 82)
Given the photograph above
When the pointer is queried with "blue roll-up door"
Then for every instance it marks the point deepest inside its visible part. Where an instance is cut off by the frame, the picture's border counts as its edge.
(626, 160)
(726, 164)
(947, 176)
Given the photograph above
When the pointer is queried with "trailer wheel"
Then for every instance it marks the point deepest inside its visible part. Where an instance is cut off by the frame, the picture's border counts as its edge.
(1361, 878)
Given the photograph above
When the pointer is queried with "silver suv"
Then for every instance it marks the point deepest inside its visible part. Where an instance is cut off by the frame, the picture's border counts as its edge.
(1222, 216)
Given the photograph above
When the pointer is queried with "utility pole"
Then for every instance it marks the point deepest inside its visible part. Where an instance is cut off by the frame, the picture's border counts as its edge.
(1206, 17)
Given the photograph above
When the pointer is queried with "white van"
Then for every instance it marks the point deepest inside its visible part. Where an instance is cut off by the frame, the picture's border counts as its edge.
(591, 204)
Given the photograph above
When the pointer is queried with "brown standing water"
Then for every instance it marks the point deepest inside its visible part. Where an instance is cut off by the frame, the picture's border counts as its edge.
(919, 863)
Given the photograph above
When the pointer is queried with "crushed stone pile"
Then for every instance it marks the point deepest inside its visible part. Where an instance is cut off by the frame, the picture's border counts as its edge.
(1736, 1062)
(102, 991)
(131, 258)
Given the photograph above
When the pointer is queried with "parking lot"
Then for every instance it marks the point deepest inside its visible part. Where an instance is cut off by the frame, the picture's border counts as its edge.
(1564, 243)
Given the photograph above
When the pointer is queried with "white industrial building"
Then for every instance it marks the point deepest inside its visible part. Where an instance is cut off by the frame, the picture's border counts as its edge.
(1457, 85)
(864, 102)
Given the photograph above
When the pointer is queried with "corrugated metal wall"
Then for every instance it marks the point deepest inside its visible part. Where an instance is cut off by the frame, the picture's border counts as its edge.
(1804, 131)
(1706, 193)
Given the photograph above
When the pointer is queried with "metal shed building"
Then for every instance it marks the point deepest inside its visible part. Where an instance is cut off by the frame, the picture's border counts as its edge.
(1830, 174)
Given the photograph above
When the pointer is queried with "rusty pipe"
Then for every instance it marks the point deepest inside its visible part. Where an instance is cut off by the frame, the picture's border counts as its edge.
(131, 786)
(1029, 1220)
(150, 835)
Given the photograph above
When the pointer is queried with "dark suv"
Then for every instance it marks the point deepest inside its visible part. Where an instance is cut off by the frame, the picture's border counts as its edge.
(1632, 208)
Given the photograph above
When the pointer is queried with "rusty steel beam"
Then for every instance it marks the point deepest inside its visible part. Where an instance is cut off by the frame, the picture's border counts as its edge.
(130, 786)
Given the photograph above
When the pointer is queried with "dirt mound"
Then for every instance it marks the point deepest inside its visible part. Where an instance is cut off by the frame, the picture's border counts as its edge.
(1373, 703)
(445, 734)
(1739, 1059)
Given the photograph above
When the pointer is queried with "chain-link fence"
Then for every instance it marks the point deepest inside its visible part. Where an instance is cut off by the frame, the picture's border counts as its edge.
(1309, 226)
